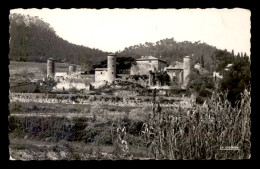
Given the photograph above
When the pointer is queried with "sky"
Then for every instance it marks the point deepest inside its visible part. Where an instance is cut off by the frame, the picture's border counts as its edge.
(112, 30)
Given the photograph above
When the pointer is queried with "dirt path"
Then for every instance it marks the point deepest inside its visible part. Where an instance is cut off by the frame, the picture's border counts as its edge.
(68, 115)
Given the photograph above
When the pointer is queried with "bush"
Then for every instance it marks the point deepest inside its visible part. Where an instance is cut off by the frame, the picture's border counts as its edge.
(26, 88)
(135, 128)
(104, 137)
(78, 130)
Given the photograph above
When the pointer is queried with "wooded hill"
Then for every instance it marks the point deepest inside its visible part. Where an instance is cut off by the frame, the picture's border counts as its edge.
(208, 56)
(32, 39)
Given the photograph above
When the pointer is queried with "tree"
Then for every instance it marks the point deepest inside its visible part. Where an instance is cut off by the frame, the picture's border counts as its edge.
(223, 58)
(46, 86)
(237, 79)
(166, 78)
(233, 55)
(238, 55)
(200, 84)
(202, 61)
(35, 40)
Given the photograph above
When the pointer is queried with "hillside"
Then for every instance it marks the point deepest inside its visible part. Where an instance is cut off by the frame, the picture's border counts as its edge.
(168, 49)
(33, 40)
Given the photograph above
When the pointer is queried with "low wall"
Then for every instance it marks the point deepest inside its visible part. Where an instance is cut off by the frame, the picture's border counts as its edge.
(67, 86)
(138, 101)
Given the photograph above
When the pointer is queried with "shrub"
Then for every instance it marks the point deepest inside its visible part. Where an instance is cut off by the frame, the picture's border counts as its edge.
(104, 137)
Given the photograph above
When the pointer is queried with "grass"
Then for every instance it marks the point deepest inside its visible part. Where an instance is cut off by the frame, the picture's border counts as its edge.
(202, 132)
(24, 149)
(33, 107)
(33, 69)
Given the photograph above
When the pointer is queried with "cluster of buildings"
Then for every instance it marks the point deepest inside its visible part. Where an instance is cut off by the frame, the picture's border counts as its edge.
(65, 80)
(146, 65)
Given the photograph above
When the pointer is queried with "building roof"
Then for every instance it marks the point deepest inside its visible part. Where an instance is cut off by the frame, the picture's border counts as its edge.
(173, 68)
(112, 54)
(177, 65)
(100, 69)
(145, 58)
(229, 65)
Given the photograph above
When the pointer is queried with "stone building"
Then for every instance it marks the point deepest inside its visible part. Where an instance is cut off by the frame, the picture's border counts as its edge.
(50, 68)
(100, 74)
(111, 68)
(61, 76)
(146, 64)
(66, 79)
(103, 75)
(179, 73)
(175, 72)
(72, 69)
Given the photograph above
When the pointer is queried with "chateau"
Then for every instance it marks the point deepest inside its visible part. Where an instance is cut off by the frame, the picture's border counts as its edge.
(149, 66)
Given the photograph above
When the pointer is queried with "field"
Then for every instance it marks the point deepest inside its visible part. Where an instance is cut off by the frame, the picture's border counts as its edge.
(20, 71)
(67, 126)
(103, 131)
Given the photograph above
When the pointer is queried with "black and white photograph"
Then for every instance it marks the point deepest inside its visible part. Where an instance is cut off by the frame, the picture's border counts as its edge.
(129, 84)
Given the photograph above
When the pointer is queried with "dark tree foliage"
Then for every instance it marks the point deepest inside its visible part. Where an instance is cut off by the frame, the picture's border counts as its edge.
(237, 79)
(202, 61)
(200, 83)
(32, 39)
(163, 78)
(223, 58)
(171, 51)
(122, 63)
(46, 87)
(166, 78)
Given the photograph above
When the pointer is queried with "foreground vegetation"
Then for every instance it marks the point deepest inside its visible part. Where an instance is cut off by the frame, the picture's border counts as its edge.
(198, 133)
(203, 133)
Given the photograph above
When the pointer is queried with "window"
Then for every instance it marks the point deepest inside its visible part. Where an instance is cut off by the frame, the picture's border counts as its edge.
(150, 61)
(100, 72)
(112, 72)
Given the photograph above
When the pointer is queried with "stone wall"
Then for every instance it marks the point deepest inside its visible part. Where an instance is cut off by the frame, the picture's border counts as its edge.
(100, 76)
(132, 101)
(143, 67)
(176, 76)
(67, 86)
(186, 71)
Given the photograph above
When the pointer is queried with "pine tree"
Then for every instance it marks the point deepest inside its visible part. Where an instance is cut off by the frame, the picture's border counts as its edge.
(202, 61)
(238, 55)
(233, 55)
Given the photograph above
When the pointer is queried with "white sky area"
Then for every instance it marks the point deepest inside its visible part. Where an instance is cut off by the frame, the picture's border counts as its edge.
(112, 30)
